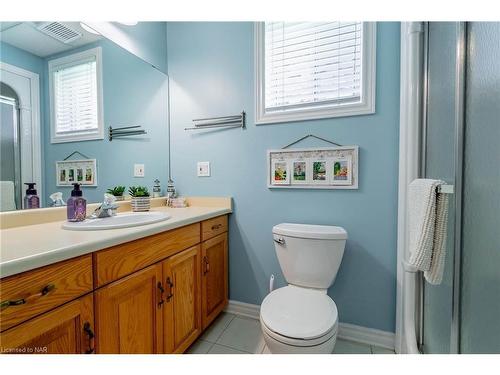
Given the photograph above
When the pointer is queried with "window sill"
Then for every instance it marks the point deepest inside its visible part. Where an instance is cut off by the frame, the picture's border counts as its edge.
(77, 138)
(314, 114)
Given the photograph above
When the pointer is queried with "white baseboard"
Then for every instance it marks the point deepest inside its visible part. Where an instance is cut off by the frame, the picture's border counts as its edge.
(365, 335)
(243, 309)
(352, 332)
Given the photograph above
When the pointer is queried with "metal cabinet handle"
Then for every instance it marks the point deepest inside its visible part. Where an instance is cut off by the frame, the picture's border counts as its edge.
(206, 267)
(216, 226)
(21, 301)
(162, 290)
(88, 330)
(170, 289)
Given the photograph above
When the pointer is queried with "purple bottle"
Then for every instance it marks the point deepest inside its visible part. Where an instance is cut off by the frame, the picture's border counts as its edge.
(31, 200)
(76, 205)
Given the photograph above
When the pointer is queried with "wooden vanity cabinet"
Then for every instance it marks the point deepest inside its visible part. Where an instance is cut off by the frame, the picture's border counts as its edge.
(152, 295)
(214, 278)
(68, 329)
(129, 315)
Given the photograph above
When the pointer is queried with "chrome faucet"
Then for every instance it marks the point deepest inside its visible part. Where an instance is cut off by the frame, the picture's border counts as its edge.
(106, 209)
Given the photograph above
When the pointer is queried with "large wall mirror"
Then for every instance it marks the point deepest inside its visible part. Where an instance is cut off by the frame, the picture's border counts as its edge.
(62, 86)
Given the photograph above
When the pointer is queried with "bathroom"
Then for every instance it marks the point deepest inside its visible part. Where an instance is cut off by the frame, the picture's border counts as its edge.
(182, 108)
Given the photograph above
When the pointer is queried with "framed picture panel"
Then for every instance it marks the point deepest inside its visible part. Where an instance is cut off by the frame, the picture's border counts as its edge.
(313, 168)
(83, 172)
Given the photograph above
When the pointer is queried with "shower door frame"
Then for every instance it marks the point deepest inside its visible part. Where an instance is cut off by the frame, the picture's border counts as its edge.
(18, 198)
(29, 120)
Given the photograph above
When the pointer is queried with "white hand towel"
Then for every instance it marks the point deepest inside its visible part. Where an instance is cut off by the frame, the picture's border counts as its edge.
(428, 221)
(7, 200)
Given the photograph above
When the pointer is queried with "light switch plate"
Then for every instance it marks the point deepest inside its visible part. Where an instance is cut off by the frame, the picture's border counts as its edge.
(138, 170)
(203, 169)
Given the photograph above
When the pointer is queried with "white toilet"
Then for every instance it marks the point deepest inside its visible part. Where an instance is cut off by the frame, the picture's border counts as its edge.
(301, 317)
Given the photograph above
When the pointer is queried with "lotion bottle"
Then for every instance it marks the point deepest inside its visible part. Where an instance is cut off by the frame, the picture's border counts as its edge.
(31, 200)
(76, 205)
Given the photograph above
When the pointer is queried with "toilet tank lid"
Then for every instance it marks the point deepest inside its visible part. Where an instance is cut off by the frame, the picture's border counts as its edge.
(324, 232)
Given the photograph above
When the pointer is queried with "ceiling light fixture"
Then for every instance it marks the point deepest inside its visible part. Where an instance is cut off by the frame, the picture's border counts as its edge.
(131, 23)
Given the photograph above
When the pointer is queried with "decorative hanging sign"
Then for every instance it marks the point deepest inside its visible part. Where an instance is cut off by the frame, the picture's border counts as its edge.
(83, 172)
(313, 168)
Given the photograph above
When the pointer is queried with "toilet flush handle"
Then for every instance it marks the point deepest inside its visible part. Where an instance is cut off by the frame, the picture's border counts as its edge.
(280, 240)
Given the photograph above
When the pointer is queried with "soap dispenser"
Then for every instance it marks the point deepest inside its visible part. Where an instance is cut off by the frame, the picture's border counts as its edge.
(76, 205)
(31, 200)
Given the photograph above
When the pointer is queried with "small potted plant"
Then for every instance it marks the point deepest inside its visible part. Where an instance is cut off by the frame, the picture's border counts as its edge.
(141, 201)
(117, 191)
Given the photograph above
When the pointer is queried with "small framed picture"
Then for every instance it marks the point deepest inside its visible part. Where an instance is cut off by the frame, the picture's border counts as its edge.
(62, 176)
(319, 172)
(88, 175)
(82, 171)
(280, 173)
(341, 170)
(299, 172)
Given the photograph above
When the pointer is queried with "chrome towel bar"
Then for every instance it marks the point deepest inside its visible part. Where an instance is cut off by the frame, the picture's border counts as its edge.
(446, 189)
(236, 121)
(124, 132)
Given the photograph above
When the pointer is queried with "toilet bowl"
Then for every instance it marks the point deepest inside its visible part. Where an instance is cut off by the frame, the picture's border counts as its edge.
(301, 317)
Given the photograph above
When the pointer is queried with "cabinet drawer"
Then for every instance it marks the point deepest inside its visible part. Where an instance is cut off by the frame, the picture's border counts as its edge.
(34, 292)
(213, 227)
(122, 260)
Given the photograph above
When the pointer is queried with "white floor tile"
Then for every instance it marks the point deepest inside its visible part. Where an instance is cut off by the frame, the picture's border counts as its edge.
(200, 347)
(243, 334)
(350, 347)
(220, 349)
(379, 350)
(218, 326)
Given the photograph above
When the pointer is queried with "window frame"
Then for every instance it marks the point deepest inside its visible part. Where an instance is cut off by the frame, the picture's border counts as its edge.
(67, 61)
(365, 106)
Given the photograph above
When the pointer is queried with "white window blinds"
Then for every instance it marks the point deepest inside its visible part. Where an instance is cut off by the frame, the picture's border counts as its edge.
(75, 98)
(312, 64)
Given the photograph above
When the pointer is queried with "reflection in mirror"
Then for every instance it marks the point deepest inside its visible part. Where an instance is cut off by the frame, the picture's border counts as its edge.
(61, 88)
(146, 40)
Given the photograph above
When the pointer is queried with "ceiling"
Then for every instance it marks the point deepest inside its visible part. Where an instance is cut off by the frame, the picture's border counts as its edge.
(27, 36)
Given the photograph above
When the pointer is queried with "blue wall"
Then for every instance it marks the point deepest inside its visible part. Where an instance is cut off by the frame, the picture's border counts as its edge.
(212, 74)
(20, 58)
(134, 93)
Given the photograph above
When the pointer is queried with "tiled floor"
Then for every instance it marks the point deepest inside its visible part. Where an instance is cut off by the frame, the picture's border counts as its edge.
(231, 334)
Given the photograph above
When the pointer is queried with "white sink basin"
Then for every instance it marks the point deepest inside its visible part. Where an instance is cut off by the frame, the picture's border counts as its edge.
(124, 220)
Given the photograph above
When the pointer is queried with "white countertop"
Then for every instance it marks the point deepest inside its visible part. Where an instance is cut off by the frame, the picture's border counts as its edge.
(32, 246)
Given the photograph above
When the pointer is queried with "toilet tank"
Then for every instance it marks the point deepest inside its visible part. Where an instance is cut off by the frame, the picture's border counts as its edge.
(309, 255)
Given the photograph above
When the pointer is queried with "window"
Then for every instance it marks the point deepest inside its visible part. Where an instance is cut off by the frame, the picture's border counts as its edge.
(308, 70)
(75, 83)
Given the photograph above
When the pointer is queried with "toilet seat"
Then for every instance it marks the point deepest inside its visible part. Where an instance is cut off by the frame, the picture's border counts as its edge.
(299, 316)
(289, 341)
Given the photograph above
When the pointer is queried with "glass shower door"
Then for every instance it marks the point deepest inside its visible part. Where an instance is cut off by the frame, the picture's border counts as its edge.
(480, 284)
(462, 146)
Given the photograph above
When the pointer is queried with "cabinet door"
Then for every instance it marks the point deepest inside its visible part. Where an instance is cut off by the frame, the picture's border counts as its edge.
(129, 314)
(214, 278)
(181, 275)
(64, 330)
